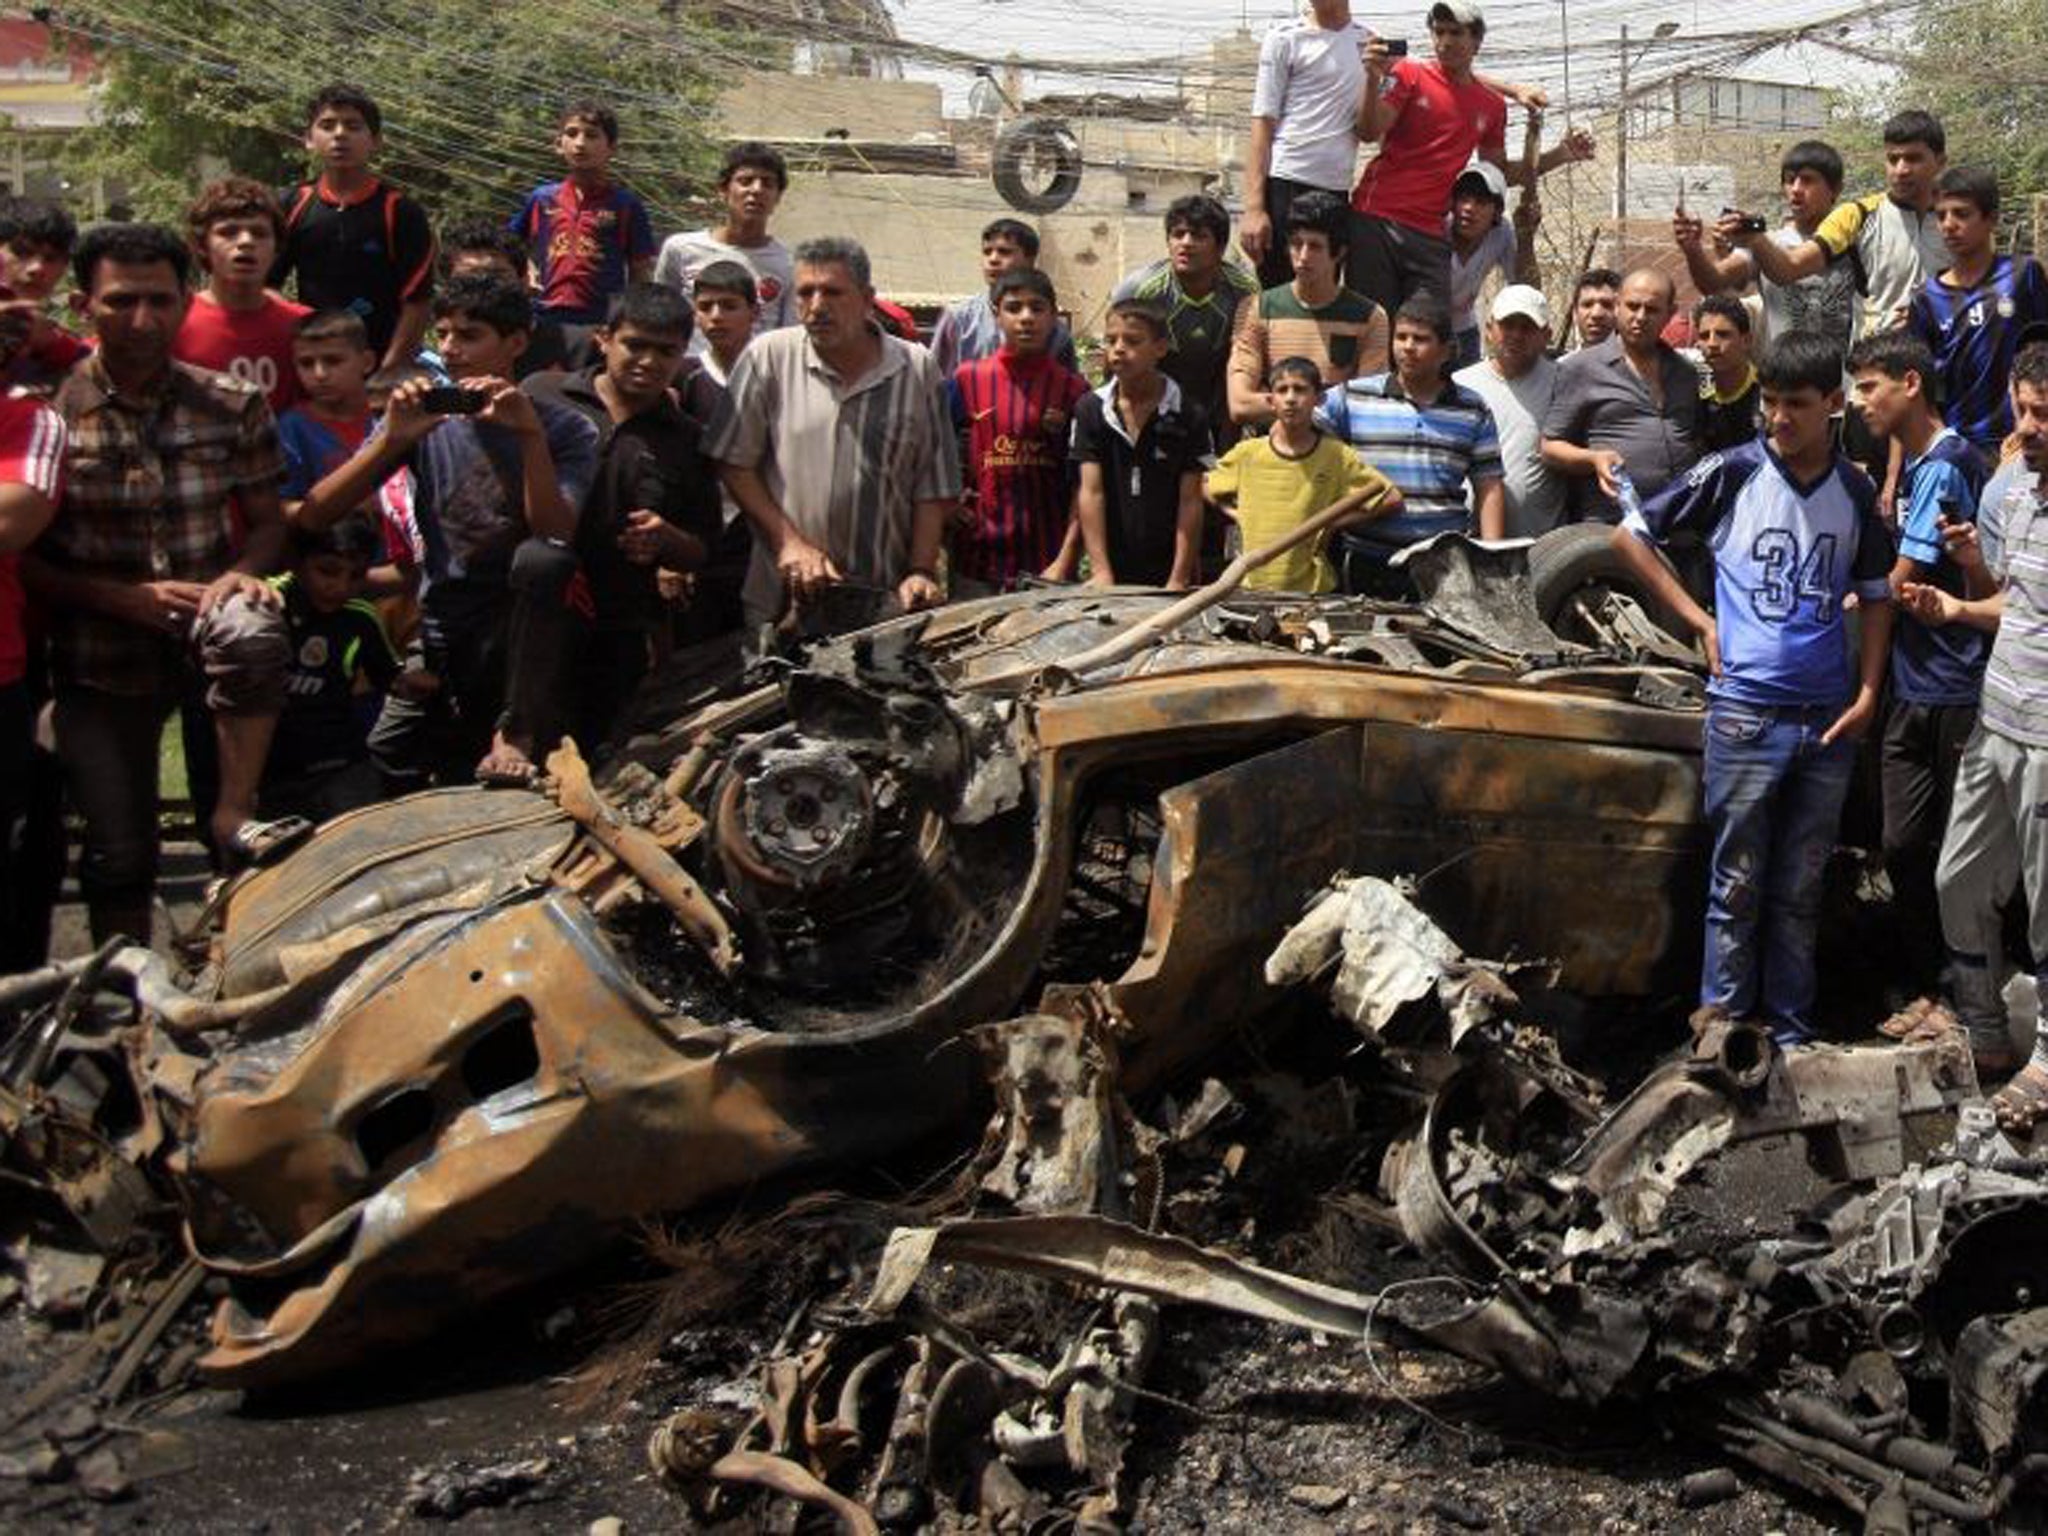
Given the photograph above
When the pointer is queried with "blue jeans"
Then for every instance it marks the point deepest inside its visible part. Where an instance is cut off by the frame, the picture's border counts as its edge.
(1774, 802)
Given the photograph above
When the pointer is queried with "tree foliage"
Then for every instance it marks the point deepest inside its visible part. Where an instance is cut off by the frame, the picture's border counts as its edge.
(1972, 64)
(470, 90)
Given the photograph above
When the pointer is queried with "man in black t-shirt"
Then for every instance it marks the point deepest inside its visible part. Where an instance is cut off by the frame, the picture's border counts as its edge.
(355, 242)
(652, 506)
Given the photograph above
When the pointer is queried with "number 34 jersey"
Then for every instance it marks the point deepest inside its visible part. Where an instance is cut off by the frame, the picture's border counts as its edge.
(1785, 555)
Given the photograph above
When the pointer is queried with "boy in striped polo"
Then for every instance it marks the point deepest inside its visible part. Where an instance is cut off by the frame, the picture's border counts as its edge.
(1429, 435)
(1015, 408)
(1971, 315)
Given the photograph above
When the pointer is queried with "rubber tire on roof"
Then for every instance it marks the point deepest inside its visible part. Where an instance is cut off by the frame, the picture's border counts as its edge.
(1578, 555)
(1044, 135)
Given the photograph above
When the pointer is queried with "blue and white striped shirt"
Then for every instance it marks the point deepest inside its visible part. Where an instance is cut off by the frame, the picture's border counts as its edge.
(1428, 451)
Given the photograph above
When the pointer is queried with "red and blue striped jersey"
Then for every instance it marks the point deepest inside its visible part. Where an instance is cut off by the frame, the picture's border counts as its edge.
(1016, 413)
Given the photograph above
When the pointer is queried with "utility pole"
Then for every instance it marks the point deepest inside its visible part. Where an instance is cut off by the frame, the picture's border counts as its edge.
(1621, 144)
(1663, 30)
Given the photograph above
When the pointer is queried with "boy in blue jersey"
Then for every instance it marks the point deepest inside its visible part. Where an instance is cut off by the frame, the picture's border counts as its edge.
(1937, 672)
(1794, 529)
(332, 356)
(1971, 315)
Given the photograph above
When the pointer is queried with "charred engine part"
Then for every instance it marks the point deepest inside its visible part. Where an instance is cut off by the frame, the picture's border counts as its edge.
(835, 830)
(805, 815)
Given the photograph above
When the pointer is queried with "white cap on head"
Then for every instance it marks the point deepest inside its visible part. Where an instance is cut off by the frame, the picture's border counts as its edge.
(1463, 12)
(1521, 299)
(1489, 177)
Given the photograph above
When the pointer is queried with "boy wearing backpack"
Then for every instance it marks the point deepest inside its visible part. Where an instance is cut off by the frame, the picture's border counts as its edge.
(354, 241)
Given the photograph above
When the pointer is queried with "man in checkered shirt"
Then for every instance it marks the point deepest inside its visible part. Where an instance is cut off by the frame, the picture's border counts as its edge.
(151, 571)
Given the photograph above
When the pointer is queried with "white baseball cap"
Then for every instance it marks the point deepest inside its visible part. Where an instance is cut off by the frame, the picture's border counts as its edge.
(1521, 299)
(1489, 177)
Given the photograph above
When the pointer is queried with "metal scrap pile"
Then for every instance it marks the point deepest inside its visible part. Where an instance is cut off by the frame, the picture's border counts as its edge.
(1879, 1352)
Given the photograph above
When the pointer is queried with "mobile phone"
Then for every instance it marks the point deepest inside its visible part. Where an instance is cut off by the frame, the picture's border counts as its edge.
(1397, 47)
(453, 400)
(1752, 223)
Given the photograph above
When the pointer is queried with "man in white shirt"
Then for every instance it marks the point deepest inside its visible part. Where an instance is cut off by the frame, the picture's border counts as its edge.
(1516, 381)
(1304, 137)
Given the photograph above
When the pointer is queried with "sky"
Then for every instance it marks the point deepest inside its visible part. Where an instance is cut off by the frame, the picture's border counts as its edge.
(1524, 39)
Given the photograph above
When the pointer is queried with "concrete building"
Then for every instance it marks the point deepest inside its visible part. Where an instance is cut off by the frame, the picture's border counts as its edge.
(878, 158)
(45, 94)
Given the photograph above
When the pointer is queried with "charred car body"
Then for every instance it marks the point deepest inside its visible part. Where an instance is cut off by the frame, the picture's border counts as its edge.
(476, 1031)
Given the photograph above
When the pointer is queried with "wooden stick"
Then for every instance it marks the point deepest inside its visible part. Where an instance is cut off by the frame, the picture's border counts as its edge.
(1131, 641)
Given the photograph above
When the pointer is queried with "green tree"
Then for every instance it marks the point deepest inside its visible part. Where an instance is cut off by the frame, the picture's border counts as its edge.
(470, 90)
(1967, 61)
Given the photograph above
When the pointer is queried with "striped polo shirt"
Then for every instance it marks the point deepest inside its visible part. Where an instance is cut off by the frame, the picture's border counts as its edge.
(2015, 703)
(846, 461)
(1016, 412)
(1430, 452)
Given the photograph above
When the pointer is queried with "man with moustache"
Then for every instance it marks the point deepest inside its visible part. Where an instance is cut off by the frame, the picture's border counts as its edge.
(836, 443)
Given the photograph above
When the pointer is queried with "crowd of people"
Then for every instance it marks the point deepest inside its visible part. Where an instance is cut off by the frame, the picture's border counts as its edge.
(448, 506)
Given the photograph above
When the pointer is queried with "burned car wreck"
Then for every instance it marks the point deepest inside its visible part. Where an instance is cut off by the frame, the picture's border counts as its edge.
(456, 1043)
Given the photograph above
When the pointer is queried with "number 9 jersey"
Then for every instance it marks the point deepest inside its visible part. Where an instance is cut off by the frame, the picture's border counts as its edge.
(1785, 555)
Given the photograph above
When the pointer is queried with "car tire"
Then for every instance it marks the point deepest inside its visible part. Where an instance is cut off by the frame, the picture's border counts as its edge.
(1579, 556)
(1030, 137)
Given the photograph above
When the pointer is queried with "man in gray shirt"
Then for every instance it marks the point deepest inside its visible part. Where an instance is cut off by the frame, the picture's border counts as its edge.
(1629, 403)
(1996, 836)
(836, 442)
(1517, 381)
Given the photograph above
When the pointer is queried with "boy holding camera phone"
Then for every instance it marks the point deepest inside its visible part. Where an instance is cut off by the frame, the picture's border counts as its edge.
(1430, 118)
(498, 481)
(1824, 302)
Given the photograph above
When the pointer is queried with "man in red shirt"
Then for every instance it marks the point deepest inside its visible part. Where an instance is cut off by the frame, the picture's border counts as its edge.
(1429, 119)
(235, 324)
(36, 237)
(31, 463)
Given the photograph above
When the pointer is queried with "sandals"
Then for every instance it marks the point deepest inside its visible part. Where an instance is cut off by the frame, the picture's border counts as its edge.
(1923, 1020)
(507, 775)
(505, 766)
(263, 842)
(2023, 1102)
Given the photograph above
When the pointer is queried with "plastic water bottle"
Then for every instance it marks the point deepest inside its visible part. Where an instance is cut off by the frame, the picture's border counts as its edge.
(1625, 487)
